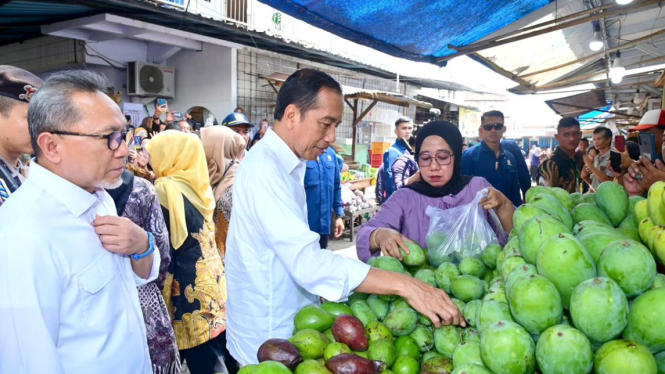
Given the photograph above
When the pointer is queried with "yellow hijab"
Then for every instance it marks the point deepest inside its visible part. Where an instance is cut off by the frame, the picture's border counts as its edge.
(179, 163)
(222, 145)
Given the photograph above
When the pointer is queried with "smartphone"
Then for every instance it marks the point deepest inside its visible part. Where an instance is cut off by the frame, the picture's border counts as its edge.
(648, 146)
(615, 161)
(179, 116)
(161, 102)
(620, 143)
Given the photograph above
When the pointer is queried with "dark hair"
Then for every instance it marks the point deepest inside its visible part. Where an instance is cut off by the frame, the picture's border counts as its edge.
(491, 113)
(302, 88)
(592, 148)
(52, 108)
(401, 120)
(567, 122)
(6, 106)
(584, 140)
(239, 110)
(604, 131)
(173, 126)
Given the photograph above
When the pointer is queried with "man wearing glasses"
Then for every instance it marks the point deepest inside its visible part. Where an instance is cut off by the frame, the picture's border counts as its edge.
(491, 161)
(17, 87)
(563, 168)
(68, 297)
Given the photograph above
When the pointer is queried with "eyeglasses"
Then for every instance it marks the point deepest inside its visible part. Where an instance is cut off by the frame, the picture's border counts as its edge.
(496, 126)
(443, 158)
(114, 139)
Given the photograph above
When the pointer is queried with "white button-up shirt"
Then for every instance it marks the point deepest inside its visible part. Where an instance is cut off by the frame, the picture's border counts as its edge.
(274, 264)
(67, 305)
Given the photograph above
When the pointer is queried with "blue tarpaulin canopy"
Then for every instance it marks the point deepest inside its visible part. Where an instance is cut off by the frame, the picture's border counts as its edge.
(419, 30)
(591, 120)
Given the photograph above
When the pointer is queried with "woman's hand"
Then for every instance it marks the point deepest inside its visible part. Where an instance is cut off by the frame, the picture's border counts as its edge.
(413, 179)
(390, 242)
(495, 200)
(142, 159)
(132, 156)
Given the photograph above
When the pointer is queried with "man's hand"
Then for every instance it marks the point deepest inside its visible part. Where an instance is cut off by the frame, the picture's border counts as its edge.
(645, 173)
(339, 227)
(390, 242)
(120, 235)
(432, 302)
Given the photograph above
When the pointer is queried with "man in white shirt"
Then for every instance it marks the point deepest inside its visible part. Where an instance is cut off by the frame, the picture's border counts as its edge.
(274, 264)
(599, 168)
(69, 266)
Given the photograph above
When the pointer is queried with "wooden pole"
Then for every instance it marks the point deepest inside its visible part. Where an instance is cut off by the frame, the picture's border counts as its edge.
(355, 129)
(595, 55)
(495, 43)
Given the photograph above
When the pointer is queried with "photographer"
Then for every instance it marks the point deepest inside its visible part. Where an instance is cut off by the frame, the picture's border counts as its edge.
(643, 173)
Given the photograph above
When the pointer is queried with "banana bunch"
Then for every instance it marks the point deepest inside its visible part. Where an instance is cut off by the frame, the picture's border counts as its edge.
(651, 216)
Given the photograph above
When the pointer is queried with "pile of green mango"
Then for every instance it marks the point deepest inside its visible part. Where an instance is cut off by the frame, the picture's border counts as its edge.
(575, 290)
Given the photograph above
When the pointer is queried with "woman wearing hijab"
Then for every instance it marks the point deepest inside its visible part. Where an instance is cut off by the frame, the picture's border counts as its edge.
(195, 286)
(224, 148)
(136, 200)
(438, 183)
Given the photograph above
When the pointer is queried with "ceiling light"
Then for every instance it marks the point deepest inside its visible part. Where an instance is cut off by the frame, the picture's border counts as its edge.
(638, 97)
(596, 43)
(617, 71)
(624, 2)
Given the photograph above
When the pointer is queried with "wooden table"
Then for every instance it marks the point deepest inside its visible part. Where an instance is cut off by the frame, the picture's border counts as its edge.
(359, 184)
(359, 213)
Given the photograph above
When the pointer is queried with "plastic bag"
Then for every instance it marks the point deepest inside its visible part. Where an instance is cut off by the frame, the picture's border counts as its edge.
(457, 233)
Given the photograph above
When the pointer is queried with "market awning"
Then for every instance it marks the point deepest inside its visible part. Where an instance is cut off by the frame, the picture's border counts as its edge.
(419, 30)
(593, 119)
(577, 105)
(354, 93)
(351, 97)
(459, 103)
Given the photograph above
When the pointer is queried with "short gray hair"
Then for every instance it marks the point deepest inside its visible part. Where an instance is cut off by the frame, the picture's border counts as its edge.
(52, 109)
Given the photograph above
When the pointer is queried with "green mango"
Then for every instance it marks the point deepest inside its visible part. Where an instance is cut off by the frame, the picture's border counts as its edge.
(336, 309)
(416, 256)
(623, 356)
(553, 207)
(612, 199)
(313, 317)
(563, 350)
(363, 312)
(592, 212)
(401, 322)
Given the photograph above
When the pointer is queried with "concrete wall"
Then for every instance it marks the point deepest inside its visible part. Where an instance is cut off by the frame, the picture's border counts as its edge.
(205, 78)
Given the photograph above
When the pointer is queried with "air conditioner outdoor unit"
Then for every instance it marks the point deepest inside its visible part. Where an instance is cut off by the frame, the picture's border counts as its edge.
(145, 79)
(654, 104)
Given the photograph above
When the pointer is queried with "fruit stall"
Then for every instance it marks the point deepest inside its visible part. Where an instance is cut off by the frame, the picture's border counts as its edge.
(574, 290)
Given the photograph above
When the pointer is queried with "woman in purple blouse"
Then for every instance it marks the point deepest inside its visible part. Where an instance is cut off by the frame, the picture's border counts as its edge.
(438, 183)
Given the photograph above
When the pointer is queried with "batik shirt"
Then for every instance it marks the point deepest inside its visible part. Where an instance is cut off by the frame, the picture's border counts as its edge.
(143, 209)
(195, 286)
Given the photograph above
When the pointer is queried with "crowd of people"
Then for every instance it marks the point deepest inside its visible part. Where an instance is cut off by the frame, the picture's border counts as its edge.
(137, 250)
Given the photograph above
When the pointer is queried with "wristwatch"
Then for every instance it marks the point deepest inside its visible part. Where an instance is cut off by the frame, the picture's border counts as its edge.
(151, 248)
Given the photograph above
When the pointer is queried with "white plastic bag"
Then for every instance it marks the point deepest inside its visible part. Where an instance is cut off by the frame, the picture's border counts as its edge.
(457, 233)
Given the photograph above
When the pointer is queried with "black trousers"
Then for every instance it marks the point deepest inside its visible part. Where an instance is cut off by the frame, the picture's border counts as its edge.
(324, 241)
(210, 357)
